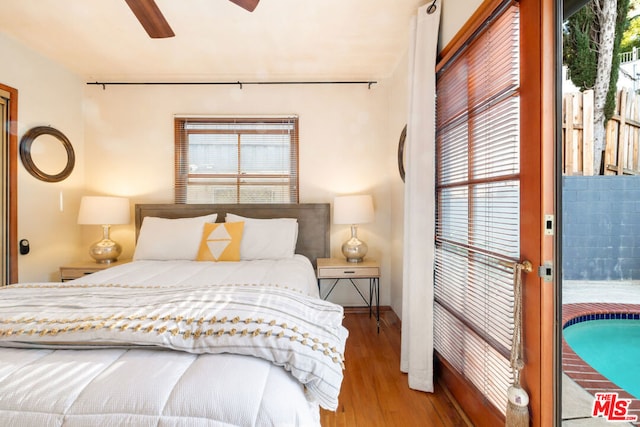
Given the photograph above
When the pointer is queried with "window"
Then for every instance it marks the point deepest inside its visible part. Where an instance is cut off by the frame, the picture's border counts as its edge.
(478, 205)
(236, 160)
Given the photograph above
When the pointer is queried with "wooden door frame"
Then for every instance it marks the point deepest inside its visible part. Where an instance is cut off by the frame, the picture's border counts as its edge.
(538, 55)
(538, 126)
(13, 183)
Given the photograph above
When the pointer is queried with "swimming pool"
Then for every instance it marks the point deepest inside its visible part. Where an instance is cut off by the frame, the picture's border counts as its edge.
(611, 347)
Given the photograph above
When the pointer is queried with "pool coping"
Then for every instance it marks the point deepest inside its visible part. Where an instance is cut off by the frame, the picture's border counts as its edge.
(579, 370)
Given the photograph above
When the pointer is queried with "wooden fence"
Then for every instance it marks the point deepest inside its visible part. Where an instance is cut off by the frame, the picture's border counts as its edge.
(622, 135)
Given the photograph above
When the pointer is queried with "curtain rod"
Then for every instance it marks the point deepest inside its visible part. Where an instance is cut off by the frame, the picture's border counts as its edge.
(348, 82)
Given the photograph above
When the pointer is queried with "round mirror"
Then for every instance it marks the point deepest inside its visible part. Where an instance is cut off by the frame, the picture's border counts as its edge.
(50, 158)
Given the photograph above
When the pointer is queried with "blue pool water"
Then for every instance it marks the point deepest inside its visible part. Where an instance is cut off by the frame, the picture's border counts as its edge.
(611, 347)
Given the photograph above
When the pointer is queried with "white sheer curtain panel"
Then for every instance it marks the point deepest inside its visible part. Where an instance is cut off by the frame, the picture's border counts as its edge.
(419, 199)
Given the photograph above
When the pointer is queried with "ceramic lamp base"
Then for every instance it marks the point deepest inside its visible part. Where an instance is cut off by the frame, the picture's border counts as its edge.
(105, 251)
(354, 249)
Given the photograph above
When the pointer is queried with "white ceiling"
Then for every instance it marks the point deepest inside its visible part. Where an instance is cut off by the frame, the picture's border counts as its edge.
(101, 40)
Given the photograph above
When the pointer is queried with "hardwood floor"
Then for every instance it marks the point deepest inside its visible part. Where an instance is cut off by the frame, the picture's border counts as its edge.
(374, 391)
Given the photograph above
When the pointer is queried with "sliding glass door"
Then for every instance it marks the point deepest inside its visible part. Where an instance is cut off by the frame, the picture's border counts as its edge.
(490, 172)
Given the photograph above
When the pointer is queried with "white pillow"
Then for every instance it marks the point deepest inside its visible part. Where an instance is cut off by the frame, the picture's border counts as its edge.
(169, 239)
(273, 238)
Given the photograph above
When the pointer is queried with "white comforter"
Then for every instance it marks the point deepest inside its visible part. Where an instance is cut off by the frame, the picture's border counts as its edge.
(294, 273)
(123, 386)
(117, 387)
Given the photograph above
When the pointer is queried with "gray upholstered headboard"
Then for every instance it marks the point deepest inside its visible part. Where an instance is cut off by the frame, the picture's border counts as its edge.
(313, 220)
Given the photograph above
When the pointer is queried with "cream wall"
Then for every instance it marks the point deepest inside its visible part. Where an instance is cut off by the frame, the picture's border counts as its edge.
(344, 148)
(454, 14)
(50, 95)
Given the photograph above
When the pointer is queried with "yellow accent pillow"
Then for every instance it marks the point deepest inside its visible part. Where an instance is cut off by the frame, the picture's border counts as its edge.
(221, 242)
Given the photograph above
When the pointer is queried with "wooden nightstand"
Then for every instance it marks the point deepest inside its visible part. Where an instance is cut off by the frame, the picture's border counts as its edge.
(339, 268)
(81, 269)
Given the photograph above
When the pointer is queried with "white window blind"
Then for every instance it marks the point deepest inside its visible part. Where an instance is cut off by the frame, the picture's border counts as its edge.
(236, 160)
(478, 204)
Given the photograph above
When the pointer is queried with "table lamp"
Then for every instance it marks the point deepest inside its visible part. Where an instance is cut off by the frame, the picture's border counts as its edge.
(353, 210)
(105, 211)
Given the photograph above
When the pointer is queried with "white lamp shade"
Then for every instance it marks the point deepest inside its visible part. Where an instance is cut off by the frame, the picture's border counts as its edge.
(103, 210)
(353, 209)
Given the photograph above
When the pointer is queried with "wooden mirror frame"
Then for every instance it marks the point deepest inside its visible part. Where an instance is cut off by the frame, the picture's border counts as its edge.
(27, 160)
(403, 136)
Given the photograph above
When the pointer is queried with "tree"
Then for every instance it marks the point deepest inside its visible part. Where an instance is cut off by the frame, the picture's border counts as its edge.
(631, 35)
(590, 48)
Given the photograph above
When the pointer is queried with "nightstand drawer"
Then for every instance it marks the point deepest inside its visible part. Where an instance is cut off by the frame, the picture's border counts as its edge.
(67, 273)
(338, 268)
(365, 272)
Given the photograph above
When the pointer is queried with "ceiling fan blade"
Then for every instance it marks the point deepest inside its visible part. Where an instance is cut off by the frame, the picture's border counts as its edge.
(151, 18)
(246, 4)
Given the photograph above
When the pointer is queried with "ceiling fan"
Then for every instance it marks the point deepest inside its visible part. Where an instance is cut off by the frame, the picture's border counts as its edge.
(156, 25)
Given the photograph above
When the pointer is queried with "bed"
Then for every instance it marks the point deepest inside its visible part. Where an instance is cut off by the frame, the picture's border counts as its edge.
(236, 336)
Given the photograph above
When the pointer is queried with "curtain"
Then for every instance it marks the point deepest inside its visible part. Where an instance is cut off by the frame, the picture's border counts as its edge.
(419, 202)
